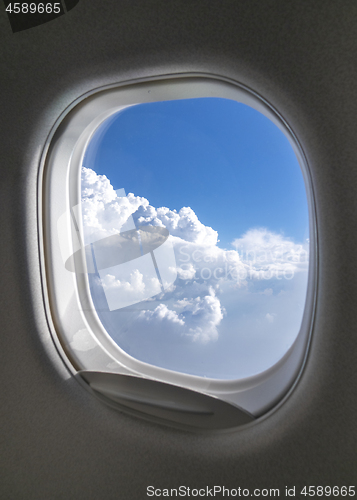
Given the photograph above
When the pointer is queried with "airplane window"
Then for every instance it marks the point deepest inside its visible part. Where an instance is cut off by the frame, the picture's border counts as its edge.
(178, 241)
(195, 217)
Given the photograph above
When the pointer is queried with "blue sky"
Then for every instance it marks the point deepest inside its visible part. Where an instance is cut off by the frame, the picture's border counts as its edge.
(222, 315)
(225, 160)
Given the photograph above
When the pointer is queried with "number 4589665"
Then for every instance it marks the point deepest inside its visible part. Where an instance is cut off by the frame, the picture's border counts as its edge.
(327, 491)
(33, 8)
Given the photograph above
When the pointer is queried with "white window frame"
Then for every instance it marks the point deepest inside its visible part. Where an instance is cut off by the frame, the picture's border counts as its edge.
(67, 295)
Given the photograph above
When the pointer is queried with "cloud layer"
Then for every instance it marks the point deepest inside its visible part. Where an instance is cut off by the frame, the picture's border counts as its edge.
(194, 308)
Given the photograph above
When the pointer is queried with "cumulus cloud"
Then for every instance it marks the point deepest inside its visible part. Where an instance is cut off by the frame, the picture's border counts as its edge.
(104, 213)
(270, 254)
(185, 225)
(130, 289)
(270, 317)
(187, 272)
(207, 275)
(196, 318)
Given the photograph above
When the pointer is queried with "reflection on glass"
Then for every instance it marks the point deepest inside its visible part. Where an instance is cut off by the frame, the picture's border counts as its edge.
(202, 267)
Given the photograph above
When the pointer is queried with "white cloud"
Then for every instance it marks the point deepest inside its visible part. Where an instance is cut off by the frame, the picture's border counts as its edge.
(196, 318)
(130, 287)
(270, 317)
(185, 225)
(270, 254)
(104, 212)
(161, 314)
(207, 275)
(186, 272)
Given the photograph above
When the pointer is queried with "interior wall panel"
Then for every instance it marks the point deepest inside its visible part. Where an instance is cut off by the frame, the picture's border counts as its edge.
(57, 441)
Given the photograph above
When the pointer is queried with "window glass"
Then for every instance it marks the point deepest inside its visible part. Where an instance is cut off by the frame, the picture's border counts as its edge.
(195, 224)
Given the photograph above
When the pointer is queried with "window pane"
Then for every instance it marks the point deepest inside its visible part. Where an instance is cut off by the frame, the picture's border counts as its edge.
(195, 221)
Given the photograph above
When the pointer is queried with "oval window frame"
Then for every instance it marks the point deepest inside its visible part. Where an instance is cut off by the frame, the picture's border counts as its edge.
(59, 191)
